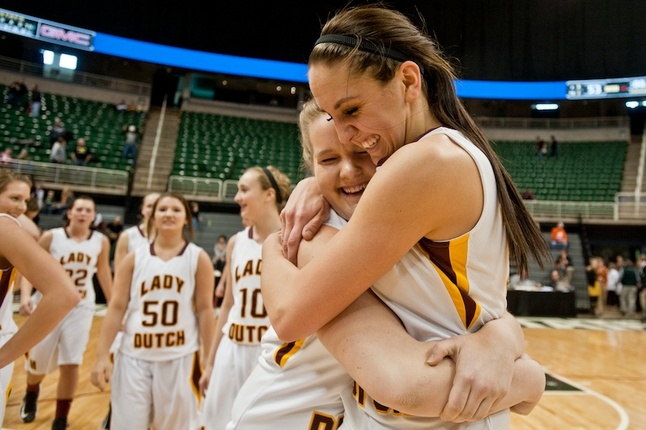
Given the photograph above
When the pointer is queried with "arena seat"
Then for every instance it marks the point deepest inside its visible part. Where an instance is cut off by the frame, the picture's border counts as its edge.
(222, 147)
(98, 122)
(582, 171)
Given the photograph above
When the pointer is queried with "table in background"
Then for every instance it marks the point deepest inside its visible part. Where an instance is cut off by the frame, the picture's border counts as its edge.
(541, 303)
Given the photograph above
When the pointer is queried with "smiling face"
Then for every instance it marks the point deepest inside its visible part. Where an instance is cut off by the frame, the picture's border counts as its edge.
(366, 112)
(170, 214)
(251, 197)
(341, 171)
(14, 197)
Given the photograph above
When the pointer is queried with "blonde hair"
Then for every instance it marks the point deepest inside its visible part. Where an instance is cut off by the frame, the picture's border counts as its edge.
(307, 116)
(283, 183)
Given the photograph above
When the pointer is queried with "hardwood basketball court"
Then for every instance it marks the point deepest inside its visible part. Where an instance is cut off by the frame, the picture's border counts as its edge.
(596, 373)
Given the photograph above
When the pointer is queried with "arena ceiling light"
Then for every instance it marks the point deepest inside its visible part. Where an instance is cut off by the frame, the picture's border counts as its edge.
(545, 106)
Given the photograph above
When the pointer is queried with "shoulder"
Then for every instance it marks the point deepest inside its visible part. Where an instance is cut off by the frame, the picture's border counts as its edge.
(7, 219)
(432, 153)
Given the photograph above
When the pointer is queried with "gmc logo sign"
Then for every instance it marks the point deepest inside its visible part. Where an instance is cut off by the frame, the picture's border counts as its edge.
(68, 36)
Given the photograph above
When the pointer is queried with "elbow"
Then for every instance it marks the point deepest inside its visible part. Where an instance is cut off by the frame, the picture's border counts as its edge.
(283, 328)
(286, 326)
(412, 399)
(72, 299)
(413, 391)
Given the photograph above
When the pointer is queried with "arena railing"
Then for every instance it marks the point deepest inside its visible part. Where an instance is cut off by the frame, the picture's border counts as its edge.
(87, 179)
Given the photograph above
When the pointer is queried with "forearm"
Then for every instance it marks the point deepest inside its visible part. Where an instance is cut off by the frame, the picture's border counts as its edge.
(207, 330)
(49, 312)
(105, 281)
(368, 340)
(112, 324)
(217, 331)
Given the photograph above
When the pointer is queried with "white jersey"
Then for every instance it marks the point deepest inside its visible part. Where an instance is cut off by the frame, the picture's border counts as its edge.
(248, 320)
(79, 259)
(7, 279)
(136, 237)
(161, 323)
(65, 345)
(444, 289)
(296, 385)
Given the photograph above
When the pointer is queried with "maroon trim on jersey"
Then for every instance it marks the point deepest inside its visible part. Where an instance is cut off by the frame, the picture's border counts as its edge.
(285, 349)
(141, 232)
(197, 372)
(181, 252)
(183, 249)
(383, 160)
(439, 254)
(5, 282)
(67, 234)
(251, 232)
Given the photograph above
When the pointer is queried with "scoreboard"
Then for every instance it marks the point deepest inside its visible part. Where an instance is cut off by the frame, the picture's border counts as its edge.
(606, 88)
(46, 31)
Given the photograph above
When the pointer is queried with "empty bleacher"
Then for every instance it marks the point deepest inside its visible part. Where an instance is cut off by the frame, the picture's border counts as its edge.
(582, 171)
(222, 147)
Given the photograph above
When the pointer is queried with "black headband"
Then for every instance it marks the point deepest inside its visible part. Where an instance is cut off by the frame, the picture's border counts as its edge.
(365, 46)
(274, 184)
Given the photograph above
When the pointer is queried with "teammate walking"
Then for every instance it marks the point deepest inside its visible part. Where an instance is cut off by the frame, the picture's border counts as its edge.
(165, 293)
(243, 320)
(82, 252)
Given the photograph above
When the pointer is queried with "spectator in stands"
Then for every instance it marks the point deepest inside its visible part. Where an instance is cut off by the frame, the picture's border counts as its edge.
(131, 133)
(23, 155)
(35, 102)
(564, 265)
(121, 106)
(114, 229)
(59, 151)
(541, 147)
(195, 215)
(557, 282)
(528, 194)
(613, 287)
(48, 202)
(630, 282)
(553, 147)
(559, 236)
(602, 278)
(65, 202)
(38, 192)
(594, 287)
(219, 259)
(6, 156)
(16, 94)
(81, 155)
(57, 130)
(642, 289)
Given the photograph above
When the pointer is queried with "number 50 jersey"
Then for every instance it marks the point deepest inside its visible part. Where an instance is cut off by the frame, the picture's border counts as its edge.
(161, 323)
